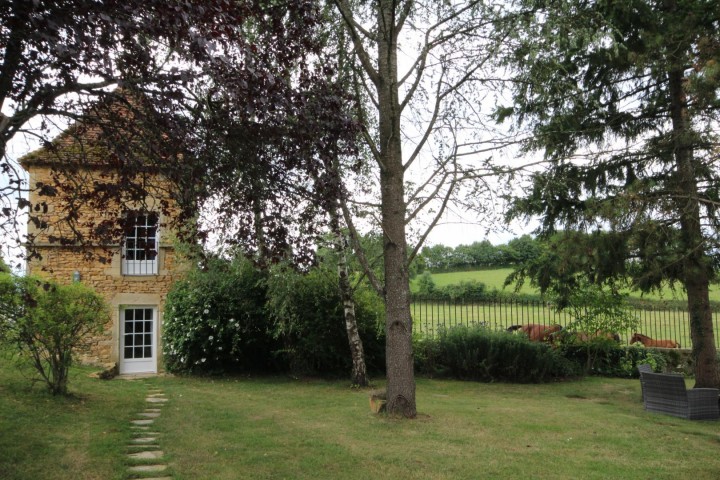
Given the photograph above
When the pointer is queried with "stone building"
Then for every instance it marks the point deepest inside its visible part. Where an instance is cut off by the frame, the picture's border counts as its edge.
(133, 273)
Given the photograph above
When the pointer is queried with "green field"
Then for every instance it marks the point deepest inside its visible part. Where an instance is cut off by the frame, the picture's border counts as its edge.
(495, 279)
(663, 322)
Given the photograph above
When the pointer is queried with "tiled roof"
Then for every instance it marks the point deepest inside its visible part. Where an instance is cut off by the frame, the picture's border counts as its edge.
(84, 143)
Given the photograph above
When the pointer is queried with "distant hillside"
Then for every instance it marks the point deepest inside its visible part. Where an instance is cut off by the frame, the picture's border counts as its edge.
(494, 279)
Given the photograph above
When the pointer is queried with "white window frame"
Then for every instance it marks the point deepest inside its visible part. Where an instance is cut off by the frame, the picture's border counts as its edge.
(138, 245)
(139, 362)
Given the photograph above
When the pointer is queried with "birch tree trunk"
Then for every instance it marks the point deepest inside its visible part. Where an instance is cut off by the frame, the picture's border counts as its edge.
(358, 375)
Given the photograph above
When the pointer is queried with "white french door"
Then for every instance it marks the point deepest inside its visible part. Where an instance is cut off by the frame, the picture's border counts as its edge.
(138, 339)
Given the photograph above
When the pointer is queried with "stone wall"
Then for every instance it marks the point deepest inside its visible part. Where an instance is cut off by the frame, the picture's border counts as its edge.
(99, 267)
(61, 263)
(64, 206)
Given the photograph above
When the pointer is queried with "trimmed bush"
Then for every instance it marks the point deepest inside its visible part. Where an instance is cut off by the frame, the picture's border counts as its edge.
(477, 353)
(47, 322)
(466, 291)
(215, 321)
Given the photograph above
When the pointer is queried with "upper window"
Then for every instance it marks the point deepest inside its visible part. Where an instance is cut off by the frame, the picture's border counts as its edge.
(140, 246)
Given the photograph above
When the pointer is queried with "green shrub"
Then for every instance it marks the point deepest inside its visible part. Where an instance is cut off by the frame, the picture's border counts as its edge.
(465, 290)
(47, 322)
(309, 319)
(426, 284)
(661, 361)
(613, 360)
(599, 356)
(215, 321)
(477, 353)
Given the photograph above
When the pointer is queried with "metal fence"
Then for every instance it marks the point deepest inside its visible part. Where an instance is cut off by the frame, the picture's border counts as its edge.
(430, 316)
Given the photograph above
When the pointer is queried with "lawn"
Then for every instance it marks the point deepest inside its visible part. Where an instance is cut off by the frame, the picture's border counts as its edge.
(495, 278)
(277, 428)
(78, 437)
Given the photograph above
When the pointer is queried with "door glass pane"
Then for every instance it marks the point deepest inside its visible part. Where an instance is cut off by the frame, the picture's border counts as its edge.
(138, 333)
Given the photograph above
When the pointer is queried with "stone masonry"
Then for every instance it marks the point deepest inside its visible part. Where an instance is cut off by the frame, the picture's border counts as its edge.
(64, 262)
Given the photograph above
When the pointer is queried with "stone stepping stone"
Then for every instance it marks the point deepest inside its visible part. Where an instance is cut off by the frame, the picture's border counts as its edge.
(157, 478)
(148, 468)
(141, 447)
(153, 410)
(149, 414)
(146, 455)
(156, 400)
(142, 422)
(156, 395)
(142, 440)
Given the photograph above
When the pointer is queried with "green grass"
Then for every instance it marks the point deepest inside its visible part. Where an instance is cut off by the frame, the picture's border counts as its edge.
(495, 279)
(78, 437)
(492, 278)
(278, 428)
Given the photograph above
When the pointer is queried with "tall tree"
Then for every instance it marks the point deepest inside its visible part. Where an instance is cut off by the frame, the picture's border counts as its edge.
(622, 97)
(417, 63)
(211, 93)
(59, 58)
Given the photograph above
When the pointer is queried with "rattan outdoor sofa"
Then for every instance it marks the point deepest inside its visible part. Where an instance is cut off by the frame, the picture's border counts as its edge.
(666, 393)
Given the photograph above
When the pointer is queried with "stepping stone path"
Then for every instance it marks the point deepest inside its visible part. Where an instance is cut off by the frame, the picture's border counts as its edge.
(144, 452)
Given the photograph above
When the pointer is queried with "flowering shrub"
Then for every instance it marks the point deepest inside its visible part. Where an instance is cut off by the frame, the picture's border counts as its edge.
(215, 321)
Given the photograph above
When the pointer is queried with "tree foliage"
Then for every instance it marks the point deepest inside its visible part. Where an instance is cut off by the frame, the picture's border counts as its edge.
(481, 254)
(307, 315)
(59, 56)
(231, 101)
(423, 136)
(232, 316)
(622, 98)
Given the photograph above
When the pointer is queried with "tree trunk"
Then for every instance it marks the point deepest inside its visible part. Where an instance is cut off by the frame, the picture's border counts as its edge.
(696, 268)
(398, 324)
(358, 375)
(262, 255)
